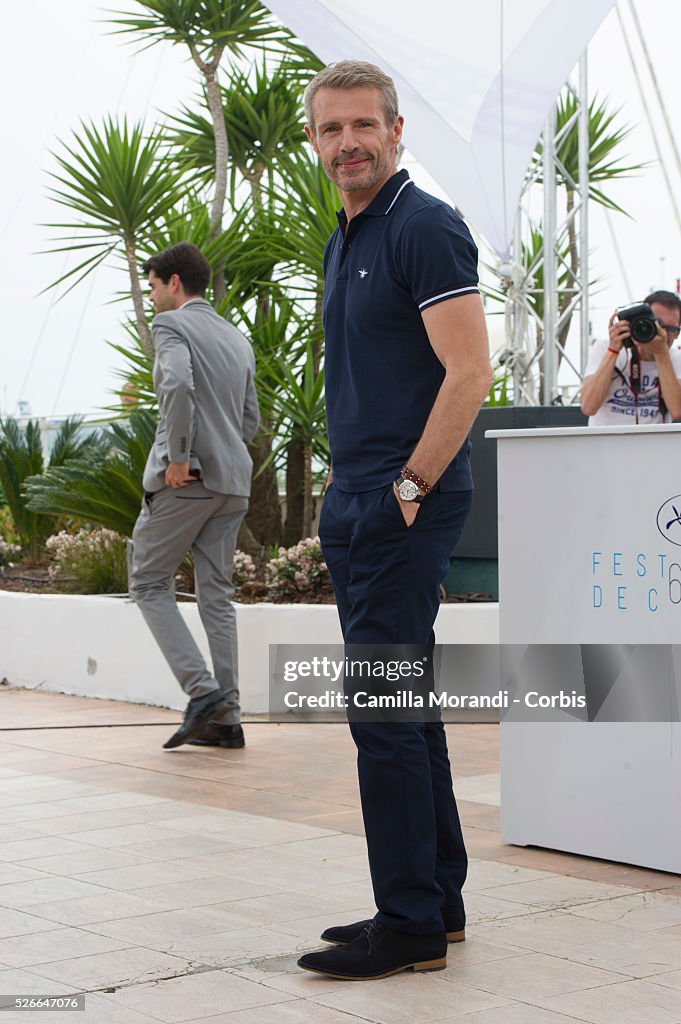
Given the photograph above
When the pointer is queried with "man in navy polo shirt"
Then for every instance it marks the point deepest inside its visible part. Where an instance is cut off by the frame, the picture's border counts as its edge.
(406, 369)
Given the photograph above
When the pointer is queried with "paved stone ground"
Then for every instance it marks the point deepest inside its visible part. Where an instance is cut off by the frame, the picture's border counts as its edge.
(182, 886)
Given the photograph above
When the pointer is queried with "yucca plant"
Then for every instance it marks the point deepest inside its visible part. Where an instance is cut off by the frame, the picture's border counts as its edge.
(290, 383)
(113, 177)
(499, 392)
(605, 140)
(203, 25)
(207, 28)
(22, 458)
(263, 120)
(137, 388)
(270, 323)
(302, 204)
(295, 395)
(305, 204)
(190, 222)
(254, 115)
(606, 165)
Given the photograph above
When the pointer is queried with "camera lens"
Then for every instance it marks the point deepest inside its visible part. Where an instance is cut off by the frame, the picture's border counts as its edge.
(643, 329)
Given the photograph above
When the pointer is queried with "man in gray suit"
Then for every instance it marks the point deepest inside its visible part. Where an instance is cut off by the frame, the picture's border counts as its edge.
(196, 481)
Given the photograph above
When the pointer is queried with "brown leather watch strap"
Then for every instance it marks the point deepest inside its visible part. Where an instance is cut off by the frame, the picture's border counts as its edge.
(409, 474)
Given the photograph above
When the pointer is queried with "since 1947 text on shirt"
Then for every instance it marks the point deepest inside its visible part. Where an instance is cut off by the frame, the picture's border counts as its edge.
(621, 406)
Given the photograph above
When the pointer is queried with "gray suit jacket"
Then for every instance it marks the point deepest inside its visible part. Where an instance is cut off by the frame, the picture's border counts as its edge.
(204, 379)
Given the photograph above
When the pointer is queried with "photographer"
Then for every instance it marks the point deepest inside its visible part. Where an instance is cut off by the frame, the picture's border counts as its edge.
(629, 381)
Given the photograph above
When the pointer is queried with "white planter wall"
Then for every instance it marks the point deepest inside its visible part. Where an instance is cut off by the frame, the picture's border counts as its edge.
(100, 646)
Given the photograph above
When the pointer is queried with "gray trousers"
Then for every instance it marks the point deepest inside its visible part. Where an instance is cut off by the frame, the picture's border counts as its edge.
(172, 522)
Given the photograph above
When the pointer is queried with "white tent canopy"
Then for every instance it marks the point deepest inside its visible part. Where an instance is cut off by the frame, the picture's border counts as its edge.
(476, 81)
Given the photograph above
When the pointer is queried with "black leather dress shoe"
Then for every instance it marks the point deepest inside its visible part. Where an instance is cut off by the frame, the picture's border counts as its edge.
(377, 953)
(208, 737)
(218, 735)
(454, 921)
(198, 712)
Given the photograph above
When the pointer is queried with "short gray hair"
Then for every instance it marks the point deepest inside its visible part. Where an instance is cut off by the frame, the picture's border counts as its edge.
(351, 74)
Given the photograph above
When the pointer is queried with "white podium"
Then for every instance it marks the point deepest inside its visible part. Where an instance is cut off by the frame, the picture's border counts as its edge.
(590, 553)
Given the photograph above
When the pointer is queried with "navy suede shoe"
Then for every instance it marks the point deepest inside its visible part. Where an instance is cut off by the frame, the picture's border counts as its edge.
(454, 920)
(377, 953)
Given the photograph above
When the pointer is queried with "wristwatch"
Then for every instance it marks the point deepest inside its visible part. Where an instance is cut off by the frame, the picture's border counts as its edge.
(408, 491)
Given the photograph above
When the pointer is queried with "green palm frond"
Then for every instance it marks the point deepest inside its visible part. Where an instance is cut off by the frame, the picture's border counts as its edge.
(187, 222)
(22, 457)
(289, 377)
(605, 140)
(21, 454)
(115, 179)
(302, 63)
(500, 390)
(304, 204)
(204, 24)
(138, 385)
(279, 334)
(240, 250)
(263, 119)
(294, 395)
(104, 496)
(107, 492)
(72, 442)
(78, 273)
(132, 441)
(532, 261)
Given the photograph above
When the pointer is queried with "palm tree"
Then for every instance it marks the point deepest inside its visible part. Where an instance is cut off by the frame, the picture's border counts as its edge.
(22, 457)
(207, 28)
(255, 116)
(137, 388)
(302, 207)
(262, 112)
(295, 395)
(240, 252)
(605, 166)
(262, 116)
(106, 491)
(116, 181)
(304, 202)
(290, 388)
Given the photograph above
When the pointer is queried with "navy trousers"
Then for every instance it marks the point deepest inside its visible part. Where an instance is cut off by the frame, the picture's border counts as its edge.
(386, 578)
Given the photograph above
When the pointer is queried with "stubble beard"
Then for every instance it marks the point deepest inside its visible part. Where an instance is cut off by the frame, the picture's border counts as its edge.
(378, 170)
(164, 305)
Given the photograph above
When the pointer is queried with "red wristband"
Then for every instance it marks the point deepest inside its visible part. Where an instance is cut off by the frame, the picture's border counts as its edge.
(613, 351)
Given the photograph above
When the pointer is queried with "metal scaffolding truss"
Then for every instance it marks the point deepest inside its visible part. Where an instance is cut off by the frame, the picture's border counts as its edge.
(547, 278)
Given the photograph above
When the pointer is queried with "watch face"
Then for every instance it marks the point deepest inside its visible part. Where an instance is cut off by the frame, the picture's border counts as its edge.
(408, 490)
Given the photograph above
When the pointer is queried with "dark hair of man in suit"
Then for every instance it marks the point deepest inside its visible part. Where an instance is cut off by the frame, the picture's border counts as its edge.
(185, 260)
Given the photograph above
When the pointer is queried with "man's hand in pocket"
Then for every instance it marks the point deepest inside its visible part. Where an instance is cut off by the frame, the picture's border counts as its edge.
(177, 475)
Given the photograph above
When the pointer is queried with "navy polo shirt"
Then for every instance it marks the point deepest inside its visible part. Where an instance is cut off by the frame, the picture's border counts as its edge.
(405, 252)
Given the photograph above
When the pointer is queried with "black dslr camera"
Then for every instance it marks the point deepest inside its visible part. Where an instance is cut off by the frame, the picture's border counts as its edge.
(642, 321)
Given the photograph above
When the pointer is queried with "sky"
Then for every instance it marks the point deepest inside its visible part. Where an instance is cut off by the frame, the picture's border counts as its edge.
(61, 65)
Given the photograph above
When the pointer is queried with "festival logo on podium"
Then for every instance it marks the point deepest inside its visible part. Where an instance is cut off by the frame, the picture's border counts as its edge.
(669, 520)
